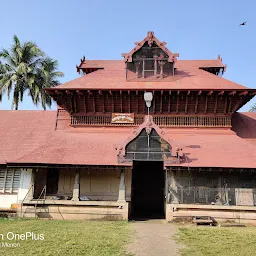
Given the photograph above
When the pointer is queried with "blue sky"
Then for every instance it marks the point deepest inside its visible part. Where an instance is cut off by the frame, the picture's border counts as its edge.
(103, 29)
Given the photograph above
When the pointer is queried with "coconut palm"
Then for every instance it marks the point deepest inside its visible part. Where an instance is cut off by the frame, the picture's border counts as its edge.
(46, 77)
(253, 108)
(24, 68)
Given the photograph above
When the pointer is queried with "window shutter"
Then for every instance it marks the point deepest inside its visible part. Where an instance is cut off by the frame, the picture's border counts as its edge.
(9, 180)
(2, 179)
(16, 181)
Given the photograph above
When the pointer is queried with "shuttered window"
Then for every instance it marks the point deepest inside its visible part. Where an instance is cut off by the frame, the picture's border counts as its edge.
(9, 181)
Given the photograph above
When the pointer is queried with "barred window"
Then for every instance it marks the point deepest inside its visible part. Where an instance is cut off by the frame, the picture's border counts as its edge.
(9, 181)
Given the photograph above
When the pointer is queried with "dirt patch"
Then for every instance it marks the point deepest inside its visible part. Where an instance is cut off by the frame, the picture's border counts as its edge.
(153, 238)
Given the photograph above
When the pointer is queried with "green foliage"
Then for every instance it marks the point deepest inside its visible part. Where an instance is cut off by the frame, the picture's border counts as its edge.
(253, 108)
(25, 68)
(212, 241)
(90, 238)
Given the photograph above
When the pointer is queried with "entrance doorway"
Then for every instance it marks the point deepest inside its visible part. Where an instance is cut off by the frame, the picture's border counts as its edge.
(148, 187)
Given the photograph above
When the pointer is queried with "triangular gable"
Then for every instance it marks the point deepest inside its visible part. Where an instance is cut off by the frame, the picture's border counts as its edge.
(150, 39)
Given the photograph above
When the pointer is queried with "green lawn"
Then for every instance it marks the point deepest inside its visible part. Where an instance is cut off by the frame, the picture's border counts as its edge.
(204, 240)
(90, 238)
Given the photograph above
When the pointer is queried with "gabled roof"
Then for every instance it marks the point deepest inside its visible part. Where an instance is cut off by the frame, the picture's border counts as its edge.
(188, 75)
(150, 38)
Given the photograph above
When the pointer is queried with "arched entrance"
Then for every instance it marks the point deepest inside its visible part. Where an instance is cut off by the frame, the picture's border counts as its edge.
(148, 149)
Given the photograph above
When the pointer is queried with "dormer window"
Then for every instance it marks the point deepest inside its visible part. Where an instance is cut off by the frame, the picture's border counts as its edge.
(150, 60)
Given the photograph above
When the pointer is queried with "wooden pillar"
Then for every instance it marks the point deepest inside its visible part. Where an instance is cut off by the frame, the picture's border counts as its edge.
(173, 189)
(76, 189)
(30, 194)
(121, 194)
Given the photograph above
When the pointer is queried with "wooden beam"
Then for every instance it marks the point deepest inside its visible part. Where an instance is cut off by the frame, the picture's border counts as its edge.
(68, 92)
(110, 92)
(215, 105)
(161, 102)
(236, 107)
(169, 103)
(252, 93)
(129, 102)
(232, 93)
(196, 103)
(79, 93)
(112, 101)
(89, 92)
(137, 94)
(186, 105)
(178, 92)
(188, 93)
(85, 107)
(103, 99)
(230, 104)
(100, 92)
(210, 93)
(206, 104)
(93, 102)
(225, 104)
(243, 93)
(170, 93)
(199, 93)
(177, 104)
(121, 101)
(74, 102)
(221, 93)
(154, 105)
(58, 92)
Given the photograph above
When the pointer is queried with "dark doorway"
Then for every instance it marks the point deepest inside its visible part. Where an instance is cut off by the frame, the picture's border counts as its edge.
(148, 182)
(52, 181)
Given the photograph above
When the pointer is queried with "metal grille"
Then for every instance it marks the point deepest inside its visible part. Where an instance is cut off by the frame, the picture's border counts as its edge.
(163, 121)
(148, 148)
(213, 196)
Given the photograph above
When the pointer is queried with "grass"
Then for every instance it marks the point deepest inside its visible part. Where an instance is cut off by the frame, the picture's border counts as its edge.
(201, 241)
(88, 238)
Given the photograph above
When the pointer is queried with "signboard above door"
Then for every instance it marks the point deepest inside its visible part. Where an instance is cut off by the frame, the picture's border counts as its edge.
(122, 118)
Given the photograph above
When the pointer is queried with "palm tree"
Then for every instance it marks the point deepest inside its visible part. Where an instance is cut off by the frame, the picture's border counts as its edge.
(46, 77)
(24, 68)
(253, 108)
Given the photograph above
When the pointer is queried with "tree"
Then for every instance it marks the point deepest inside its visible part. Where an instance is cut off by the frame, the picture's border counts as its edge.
(253, 108)
(24, 68)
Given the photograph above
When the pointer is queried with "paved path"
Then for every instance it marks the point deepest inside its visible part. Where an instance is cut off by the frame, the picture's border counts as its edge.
(153, 238)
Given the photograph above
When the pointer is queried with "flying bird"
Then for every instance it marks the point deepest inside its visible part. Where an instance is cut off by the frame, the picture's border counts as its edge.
(242, 24)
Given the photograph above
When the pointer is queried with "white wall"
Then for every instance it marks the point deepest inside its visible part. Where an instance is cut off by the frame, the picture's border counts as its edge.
(7, 199)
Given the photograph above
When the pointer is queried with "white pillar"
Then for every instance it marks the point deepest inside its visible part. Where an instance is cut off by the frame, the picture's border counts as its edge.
(173, 189)
(121, 195)
(31, 188)
(76, 189)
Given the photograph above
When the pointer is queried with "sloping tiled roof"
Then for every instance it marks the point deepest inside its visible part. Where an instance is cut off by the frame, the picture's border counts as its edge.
(189, 75)
(21, 132)
(244, 124)
(29, 137)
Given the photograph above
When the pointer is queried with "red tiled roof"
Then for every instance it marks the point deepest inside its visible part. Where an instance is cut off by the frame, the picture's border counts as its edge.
(188, 76)
(21, 132)
(30, 137)
(244, 124)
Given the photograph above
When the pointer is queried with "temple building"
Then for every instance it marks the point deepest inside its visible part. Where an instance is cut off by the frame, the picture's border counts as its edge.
(147, 136)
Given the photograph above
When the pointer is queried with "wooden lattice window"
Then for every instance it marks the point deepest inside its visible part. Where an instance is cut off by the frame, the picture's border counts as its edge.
(9, 180)
(148, 148)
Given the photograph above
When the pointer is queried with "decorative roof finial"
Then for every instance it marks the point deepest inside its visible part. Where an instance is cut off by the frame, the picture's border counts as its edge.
(150, 38)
